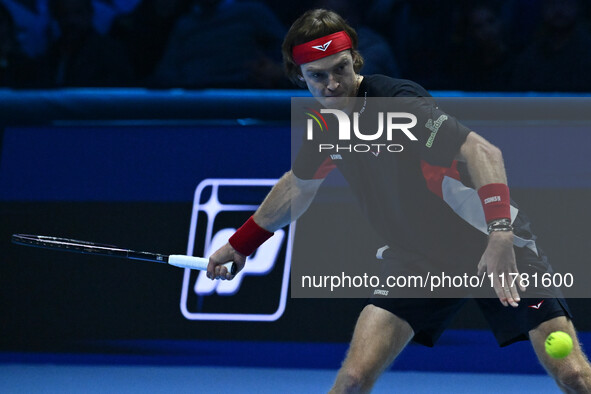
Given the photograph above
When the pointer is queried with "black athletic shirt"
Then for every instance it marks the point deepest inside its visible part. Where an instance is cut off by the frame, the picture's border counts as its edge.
(421, 198)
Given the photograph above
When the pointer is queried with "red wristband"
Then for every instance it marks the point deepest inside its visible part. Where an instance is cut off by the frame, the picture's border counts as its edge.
(249, 237)
(495, 201)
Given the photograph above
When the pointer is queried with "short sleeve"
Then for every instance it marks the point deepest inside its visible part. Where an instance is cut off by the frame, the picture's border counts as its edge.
(440, 134)
(312, 164)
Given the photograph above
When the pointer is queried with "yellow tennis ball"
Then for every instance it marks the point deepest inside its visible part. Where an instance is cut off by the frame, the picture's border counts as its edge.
(559, 344)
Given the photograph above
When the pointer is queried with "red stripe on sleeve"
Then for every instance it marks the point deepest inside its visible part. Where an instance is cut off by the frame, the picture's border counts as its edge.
(325, 168)
(434, 175)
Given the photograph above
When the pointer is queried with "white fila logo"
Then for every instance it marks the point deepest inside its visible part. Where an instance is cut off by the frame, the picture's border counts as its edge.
(322, 47)
(336, 157)
(492, 199)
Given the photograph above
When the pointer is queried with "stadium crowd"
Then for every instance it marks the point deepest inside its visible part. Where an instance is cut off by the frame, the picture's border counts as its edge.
(470, 45)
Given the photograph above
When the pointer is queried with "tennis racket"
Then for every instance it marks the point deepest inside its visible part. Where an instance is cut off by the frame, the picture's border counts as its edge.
(85, 247)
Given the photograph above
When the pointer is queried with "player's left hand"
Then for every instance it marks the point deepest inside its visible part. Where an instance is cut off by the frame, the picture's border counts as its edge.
(499, 259)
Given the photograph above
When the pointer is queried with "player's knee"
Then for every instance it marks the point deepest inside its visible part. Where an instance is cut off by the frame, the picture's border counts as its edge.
(577, 379)
(354, 381)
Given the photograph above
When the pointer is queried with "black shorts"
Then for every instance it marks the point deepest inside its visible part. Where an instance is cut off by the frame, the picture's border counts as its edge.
(429, 317)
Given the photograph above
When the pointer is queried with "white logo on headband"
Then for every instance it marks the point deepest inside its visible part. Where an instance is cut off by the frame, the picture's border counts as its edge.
(322, 47)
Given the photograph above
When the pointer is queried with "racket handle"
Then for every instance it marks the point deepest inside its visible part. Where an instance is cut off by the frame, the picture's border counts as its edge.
(196, 263)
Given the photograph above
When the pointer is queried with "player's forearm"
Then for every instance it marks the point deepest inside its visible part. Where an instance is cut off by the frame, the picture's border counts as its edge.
(487, 172)
(286, 202)
(484, 161)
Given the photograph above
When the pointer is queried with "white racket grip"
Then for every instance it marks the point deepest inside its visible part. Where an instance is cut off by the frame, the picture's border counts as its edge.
(191, 262)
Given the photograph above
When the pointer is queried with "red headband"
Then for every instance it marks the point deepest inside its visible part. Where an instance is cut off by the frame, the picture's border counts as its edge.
(321, 47)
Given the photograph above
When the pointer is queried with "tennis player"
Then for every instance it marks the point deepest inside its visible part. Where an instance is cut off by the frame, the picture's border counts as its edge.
(408, 202)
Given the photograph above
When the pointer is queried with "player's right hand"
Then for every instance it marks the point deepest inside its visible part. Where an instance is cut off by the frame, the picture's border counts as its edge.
(215, 268)
(499, 260)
